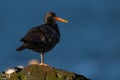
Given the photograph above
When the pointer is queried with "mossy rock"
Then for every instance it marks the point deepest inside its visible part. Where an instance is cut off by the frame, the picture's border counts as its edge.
(39, 72)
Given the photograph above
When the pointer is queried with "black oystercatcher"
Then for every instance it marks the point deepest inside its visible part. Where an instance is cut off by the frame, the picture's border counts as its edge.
(43, 38)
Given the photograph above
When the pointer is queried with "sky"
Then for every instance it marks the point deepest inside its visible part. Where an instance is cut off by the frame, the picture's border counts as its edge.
(90, 42)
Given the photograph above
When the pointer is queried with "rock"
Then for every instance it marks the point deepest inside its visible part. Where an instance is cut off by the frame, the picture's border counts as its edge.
(39, 72)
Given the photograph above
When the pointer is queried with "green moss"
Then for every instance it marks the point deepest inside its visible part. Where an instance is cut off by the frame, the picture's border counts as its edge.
(37, 72)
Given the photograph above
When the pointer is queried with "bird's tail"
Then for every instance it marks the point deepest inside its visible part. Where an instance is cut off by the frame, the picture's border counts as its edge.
(21, 47)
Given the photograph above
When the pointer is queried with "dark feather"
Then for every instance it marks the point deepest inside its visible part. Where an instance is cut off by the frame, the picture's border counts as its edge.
(21, 47)
(42, 38)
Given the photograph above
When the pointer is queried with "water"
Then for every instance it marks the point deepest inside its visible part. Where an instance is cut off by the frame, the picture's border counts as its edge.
(90, 42)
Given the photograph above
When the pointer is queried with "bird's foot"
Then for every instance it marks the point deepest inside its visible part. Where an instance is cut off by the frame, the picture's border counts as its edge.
(43, 64)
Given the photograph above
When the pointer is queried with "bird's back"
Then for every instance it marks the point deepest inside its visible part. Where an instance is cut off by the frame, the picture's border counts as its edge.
(41, 38)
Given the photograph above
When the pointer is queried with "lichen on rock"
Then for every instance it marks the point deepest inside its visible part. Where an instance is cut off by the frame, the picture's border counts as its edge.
(39, 72)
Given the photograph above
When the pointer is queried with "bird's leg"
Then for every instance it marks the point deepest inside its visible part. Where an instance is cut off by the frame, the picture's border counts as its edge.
(42, 60)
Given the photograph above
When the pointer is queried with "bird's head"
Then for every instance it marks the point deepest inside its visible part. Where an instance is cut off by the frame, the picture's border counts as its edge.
(51, 17)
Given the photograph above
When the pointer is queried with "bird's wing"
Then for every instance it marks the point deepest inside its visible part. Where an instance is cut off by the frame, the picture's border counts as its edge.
(33, 34)
(38, 34)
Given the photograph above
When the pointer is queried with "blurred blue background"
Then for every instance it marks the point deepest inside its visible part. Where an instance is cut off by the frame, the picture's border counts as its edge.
(90, 42)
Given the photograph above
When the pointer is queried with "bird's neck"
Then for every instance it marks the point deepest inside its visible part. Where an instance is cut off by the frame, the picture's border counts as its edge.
(55, 26)
(52, 24)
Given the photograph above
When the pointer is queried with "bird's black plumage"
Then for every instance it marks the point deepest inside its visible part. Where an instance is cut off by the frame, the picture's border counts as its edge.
(42, 38)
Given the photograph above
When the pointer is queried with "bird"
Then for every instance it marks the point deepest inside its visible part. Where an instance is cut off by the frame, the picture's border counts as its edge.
(43, 38)
(19, 68)
(11, 70)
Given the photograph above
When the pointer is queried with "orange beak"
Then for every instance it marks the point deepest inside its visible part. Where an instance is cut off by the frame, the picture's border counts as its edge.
(61, 20)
